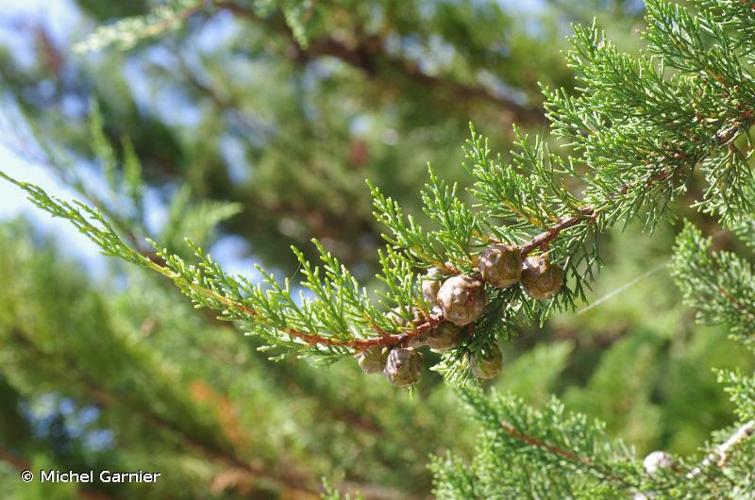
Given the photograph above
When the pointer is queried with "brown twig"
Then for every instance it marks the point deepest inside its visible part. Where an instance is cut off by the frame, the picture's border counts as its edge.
(556, 450)
(543, 239)
(307, 337)
(533, 441)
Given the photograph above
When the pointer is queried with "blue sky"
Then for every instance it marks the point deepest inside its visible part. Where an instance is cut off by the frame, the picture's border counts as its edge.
(58, 16)
(13, 203)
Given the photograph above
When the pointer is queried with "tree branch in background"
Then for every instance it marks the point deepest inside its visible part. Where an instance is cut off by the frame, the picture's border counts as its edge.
(21, 464)
(368, 54)
(104, 398)
(9, 456)
(555, 450)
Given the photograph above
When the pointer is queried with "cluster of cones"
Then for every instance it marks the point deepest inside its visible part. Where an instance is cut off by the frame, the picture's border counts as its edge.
(461, 300)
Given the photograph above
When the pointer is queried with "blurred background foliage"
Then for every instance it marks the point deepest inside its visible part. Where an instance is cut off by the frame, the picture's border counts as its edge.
(252, 139)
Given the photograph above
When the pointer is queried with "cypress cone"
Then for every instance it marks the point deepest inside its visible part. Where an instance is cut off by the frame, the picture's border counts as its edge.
(462, 299)
(431, 285)
(488, 363)
(501, 265)
(540, 278)
(404, 367)
(444, 336)
(372, 360)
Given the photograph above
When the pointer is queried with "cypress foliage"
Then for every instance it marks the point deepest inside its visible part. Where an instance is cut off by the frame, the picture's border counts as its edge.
(638, 132)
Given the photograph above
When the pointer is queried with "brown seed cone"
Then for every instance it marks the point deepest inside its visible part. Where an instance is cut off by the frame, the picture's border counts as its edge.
(462, 299)
(501, 265)
(404, 367)
(540, 278)
(444, 336)
(431, 285)
(372, 360)
(488, 363)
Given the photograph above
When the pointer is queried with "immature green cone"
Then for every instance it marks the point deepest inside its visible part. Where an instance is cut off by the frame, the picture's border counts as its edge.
(501, 265)
(540, 278)
(404, 367)
(488, 363)
(462, 299)
(431, 285)
(372, 360)
(444, 336)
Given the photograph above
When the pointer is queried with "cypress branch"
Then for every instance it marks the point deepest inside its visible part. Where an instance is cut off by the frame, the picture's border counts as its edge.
(720, 454)
(638, 166)
(639, 129)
